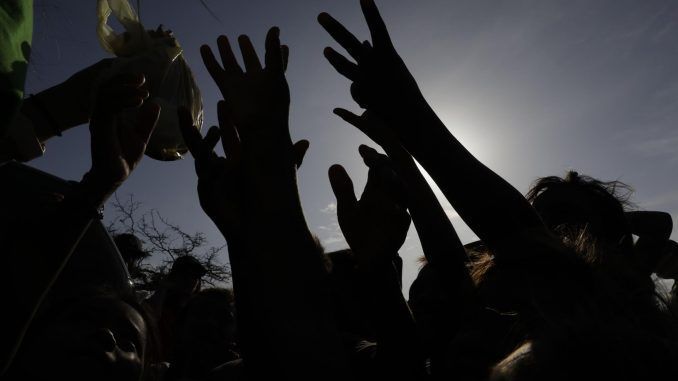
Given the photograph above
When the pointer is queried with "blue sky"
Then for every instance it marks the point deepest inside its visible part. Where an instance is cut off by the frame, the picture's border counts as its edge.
(532, 87)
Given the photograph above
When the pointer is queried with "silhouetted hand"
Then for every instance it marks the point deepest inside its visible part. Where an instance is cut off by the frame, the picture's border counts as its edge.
(258, 97)
(375, 129)
(375, 226)
(118, 146)
(219, 178)
(381, 81)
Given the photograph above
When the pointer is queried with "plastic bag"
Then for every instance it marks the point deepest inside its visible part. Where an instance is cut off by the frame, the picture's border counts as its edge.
(158, 56)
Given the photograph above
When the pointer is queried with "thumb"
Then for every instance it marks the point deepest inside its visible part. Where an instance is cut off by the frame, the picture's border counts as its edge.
(300, 149)
(349, 117)
(189, 133)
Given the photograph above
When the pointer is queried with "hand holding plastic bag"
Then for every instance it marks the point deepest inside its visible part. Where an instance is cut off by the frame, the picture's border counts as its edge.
(158, 56)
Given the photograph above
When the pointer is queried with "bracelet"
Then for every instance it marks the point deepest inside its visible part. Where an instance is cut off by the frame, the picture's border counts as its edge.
(50, 120)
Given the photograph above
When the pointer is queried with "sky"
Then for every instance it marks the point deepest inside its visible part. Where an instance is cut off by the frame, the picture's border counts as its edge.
(531, 87)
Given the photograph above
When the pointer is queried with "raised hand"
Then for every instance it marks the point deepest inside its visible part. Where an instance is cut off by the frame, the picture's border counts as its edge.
(440, 243)
(258, 97)
(117, 145)
(381, 81)
(219, 178)
(375, 226)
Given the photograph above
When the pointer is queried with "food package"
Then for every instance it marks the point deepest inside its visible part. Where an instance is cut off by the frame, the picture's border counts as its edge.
(158, 55)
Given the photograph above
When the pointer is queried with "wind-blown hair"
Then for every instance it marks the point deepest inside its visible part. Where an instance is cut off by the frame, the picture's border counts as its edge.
(582, 202)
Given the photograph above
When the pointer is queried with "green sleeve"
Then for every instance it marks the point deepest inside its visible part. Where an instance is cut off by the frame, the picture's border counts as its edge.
(16, 35)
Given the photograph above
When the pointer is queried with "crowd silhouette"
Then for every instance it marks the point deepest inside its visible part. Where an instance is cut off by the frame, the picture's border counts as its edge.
(558, 287)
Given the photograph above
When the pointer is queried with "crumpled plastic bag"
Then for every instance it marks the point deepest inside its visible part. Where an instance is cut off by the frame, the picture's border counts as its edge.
(157, 55)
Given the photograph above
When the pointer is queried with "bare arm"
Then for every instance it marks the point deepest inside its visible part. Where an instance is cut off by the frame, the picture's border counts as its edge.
(280, 288)
(375, 227)
(381, 82)
(657, 225)
(439, 240)
(116, 150)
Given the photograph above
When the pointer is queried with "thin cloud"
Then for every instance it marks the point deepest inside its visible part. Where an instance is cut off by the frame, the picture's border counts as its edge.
(331, 208)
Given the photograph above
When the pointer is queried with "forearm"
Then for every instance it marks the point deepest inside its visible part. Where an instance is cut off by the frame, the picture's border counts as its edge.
(656, 225)
(398, 348)
(440, 243)
(493, 208)
(281, 289)
(48, 114)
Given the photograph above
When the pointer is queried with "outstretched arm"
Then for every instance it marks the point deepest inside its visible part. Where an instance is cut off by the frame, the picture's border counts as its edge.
(116, 149)
(439, 240)
(280, 287)
(382, 83)
(375, 227)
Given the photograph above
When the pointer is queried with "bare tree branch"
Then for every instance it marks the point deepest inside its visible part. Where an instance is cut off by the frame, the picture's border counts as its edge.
(164, 241)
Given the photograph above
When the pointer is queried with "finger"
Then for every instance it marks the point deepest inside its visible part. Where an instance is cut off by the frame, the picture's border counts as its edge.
(206, 151)
(371, 157)
(229, 134)
(285, 55)
(368, 125)
(123, 96)
(345, 67)
(249, 55)
(300, 149)
(349, 117)
(129, 79)
(368, 154)
(227, 57)
(211, 63)
(345, 38)
(342, 186)
(273, 55)
(376, 24)
(126, 90)
(147, 120)
(191, 135)
(211, 139)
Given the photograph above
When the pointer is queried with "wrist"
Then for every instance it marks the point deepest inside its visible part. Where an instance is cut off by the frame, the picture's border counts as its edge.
(81, 200)
(96, 189)
(45, 125)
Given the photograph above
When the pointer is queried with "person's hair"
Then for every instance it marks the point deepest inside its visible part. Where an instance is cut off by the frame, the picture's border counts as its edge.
(582, 202)
(187, 266)
(606, 190)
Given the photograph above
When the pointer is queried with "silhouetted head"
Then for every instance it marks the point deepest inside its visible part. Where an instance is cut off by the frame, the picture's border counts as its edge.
(96, 335)
(583, 203)
(206, 334)
(184, 278)
(131, 248)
